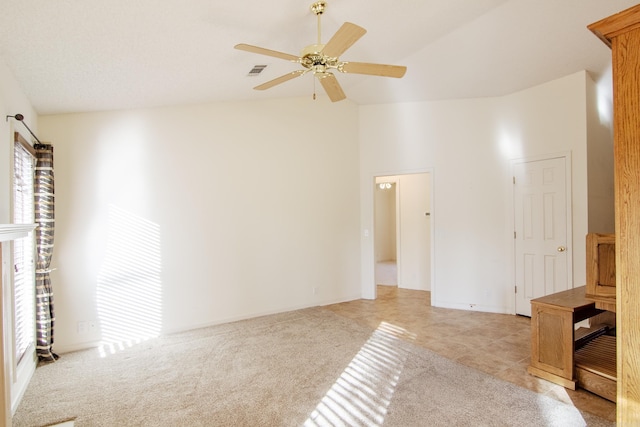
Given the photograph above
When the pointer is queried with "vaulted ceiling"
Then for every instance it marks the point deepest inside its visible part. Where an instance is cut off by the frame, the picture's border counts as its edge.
(103, 55)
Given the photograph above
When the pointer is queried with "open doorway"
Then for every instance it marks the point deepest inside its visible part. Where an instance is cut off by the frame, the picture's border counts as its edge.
(386, 232)
(402, 221)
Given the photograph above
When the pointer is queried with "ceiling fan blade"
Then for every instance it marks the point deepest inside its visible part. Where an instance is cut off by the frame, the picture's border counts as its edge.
(281, 79)
(343, 39)
(374, 69)
(331, 86)
(268, 52)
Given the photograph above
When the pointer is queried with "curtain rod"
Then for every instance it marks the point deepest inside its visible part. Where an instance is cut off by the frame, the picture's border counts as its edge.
(20, 118)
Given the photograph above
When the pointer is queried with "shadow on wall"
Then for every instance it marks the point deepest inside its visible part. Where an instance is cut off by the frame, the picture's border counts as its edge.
(129, 291)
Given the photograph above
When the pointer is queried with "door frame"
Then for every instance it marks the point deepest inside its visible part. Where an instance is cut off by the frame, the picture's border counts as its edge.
(432, 216)
(566, 155)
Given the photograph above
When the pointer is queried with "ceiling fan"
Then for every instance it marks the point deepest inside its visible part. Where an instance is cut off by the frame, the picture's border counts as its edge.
(320, 59)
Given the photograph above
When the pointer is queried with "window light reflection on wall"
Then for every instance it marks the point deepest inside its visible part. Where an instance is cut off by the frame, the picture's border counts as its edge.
(129, 288)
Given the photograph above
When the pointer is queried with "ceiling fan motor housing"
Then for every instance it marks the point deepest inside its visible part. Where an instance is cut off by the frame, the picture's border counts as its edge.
(311, 57)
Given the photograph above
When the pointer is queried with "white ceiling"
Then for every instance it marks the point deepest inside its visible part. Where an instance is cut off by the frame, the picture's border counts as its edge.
(103, 55)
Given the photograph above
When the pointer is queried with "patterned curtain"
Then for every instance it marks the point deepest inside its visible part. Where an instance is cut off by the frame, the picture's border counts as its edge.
(45, 219)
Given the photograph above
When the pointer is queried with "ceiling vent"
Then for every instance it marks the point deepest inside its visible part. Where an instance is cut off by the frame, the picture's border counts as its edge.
(256, 70)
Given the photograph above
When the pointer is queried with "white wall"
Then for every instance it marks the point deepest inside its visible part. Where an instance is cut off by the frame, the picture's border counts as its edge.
(600, 156)
(552, 118)
(252, 209)
(247, 209)
(469, 145)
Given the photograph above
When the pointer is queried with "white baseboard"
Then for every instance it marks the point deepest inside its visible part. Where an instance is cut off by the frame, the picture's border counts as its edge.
(471, 307)
(62, 349)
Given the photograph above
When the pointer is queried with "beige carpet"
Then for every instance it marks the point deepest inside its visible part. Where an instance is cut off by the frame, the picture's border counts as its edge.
(309, 367)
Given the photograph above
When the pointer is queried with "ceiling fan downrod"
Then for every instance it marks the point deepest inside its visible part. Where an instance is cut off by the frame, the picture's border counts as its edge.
(318, 8)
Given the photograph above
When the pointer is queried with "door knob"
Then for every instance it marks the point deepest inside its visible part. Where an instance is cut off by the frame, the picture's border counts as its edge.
(561, 249)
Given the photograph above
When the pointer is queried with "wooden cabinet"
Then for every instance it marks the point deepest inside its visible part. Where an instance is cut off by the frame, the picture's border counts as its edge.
(553, 334)
(559, 356)
(622, 33)
(601, 270)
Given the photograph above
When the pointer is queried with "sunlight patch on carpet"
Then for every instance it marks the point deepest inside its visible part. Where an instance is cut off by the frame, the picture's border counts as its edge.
(363, 392)
(546, 408)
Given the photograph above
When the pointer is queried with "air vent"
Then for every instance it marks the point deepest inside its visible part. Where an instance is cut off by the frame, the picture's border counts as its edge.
(256, 70)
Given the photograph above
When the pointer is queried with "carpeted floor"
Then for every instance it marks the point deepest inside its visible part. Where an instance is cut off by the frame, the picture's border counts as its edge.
(308, 367)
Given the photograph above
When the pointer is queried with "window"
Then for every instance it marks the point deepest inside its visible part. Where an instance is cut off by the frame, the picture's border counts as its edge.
(23, 249)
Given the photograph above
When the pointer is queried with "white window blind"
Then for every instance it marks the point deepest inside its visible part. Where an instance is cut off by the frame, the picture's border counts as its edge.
(23, 252)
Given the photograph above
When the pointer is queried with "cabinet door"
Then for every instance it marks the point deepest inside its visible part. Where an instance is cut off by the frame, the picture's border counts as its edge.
(601, 266)
(552, 341)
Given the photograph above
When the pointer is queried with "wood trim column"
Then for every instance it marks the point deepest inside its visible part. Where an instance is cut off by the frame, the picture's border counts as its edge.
(8, 232)
(622, 33)
(5, 391)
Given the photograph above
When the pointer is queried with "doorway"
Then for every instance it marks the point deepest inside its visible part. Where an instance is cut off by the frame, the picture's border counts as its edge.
(402, 231)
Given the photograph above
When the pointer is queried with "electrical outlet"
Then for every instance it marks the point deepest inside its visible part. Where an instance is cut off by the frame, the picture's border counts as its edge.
(93, 326)
(315, 290)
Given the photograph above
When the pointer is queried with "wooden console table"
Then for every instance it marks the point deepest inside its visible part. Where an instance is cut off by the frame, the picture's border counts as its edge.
(553, 334)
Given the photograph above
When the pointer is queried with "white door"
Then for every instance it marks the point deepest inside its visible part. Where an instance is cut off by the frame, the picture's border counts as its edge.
(541, 218)
(414, 240)
(411, 215)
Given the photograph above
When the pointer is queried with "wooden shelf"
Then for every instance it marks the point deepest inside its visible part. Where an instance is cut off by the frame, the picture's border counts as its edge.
(596, 366)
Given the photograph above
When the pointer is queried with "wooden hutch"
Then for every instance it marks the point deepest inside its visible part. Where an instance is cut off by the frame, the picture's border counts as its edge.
(607, 365)
(621, 32)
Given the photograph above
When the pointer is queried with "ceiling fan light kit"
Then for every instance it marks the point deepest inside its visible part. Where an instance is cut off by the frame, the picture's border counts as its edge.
(321, 59)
